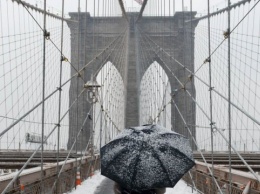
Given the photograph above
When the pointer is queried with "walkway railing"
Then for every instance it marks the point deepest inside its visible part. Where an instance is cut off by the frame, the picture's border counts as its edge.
(30, 179)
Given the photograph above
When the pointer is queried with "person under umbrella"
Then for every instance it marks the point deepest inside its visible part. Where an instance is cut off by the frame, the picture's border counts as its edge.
(120, 190)
(143, 159)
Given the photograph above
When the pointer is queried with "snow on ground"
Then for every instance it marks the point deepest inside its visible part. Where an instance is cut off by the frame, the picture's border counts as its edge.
(99, 184)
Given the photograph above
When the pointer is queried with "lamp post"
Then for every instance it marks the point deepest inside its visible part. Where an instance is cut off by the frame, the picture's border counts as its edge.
(92, 87)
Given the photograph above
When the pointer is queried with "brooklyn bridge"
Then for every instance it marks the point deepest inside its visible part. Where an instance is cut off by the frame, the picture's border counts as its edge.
(73, 75)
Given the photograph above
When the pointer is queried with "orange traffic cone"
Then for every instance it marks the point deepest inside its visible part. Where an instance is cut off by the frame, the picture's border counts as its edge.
(78, 180)
(22, 188)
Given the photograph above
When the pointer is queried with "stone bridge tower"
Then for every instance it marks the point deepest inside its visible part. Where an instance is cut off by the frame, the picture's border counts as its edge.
(172, 35)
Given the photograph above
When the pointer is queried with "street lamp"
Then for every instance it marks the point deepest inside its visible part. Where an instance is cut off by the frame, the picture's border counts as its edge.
(92, 97)
(92, 90)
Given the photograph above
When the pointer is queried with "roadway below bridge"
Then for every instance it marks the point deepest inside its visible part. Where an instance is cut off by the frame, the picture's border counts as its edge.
(222, 159)
(13, 159)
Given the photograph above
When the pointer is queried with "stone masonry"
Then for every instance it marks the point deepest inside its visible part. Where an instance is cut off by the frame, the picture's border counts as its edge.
(170, 35)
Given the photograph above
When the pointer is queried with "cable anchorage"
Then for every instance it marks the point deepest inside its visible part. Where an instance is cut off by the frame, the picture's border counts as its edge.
(63, 58)
(80, 74)
(190, 77)
(59, 88)
(226, 33)
(211, 88)
(212, 123)
(207, 60)
(47, 35)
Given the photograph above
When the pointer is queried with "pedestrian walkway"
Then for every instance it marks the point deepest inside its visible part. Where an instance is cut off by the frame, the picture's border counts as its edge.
(99, 184)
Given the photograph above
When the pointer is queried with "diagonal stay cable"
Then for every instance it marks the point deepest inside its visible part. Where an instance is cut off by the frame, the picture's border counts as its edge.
(107, 114)
(182, 85)
(145, 58)
(62, 55)
(104, 50)
(31, 110)
(163, 106)
(193, 74)
(60, 171)
(37, 9)
(142, 10)
(227, 141)
(121, 3)
(65, 161)
(78, 136)
(108, 56)
(246, 164)
(44, 31)
(194, 140)
(51, 94)
(33, 154)
(228, 35)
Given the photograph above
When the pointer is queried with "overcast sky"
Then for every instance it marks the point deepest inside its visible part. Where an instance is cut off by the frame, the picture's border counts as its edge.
(72, 5)
(247, 33)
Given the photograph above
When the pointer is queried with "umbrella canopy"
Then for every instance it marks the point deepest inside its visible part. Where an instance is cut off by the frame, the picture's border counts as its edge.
(146, 157)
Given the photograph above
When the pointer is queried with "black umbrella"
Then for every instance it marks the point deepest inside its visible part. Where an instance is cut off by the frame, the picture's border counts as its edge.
(146, 157)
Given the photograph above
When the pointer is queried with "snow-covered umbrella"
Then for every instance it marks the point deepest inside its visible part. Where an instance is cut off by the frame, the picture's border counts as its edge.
(146, 157)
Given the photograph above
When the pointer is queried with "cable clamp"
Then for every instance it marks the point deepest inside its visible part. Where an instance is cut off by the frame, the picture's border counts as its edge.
(213, 123)
(79, 74)
(57, 124)
(63, 58)
(211, 88)
(47, 34)
(207, 60)
(59, 88)
(226, 34)
(190, 77)
(89, 117)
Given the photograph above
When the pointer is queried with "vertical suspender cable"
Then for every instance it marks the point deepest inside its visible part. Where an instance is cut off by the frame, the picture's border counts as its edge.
(59, 111)
(85, 62)
(173, 5)
(229, 98)
(43, 90)
(100, 126)
(93, 104)
(77, 111)
(169, 8)
(210, 92)
(184, 62)
(192, 61)
(102, 102)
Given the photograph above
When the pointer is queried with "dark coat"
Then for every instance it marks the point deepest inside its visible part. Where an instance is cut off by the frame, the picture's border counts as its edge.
(119, 190)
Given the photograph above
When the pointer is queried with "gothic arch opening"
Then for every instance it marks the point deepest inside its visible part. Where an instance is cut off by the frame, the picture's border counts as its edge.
(109, 111)
(155, 97)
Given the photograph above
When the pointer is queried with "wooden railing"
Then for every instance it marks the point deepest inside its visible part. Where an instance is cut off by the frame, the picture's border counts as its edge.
(29, 181)
(205, 184)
